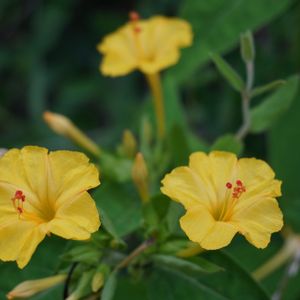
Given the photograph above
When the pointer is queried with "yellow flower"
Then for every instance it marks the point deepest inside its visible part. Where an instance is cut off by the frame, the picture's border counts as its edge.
(43, 193)
(223, 196)
(148, 45)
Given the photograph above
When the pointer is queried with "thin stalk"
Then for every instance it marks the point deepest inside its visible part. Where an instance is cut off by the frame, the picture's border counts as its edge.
(246, 98)
(68, 281)
(156, 90)
(285, 254)
(136, 252)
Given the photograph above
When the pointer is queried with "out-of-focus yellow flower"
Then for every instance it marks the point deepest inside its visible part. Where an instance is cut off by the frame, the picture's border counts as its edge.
(223, 196)
(148, 45)
(30, 288)
(43, 193)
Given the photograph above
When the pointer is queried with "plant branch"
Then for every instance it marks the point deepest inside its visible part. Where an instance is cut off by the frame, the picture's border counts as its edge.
(68, 280)
(136, 252)
(246, 98)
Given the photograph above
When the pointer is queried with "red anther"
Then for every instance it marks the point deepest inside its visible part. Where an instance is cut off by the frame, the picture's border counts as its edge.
(228, 185)
(23, 198)
(134, 16)
(20, 210)
(239, 183)
(18, 194)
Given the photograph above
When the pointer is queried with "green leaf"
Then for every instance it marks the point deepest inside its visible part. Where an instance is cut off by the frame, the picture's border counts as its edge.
(85, 253)
(228, 143)
(267, 87)
(121, 204)
(116, 168)
(109, 287)
(264, 115)
(228, 72)
(188, 266)
(169, 284)
(217, 26)
(284, 149)
(222, 282)
(109, 225)
(84, 286)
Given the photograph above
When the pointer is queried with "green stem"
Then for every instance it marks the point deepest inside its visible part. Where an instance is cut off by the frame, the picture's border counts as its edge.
(136, 252)
(281, 257)
(246, 98)
(156, 90)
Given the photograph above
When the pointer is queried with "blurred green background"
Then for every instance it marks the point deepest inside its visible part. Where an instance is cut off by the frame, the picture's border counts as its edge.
(48, 61)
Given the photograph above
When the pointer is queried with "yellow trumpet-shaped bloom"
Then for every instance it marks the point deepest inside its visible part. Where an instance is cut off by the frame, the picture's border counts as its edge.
(148, 45)
(222, 196)
(44, 192)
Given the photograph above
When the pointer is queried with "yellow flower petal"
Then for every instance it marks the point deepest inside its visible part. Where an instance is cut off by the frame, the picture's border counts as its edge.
(76, 218)
(219, 236)
(257, 221)
(183, 185)
(196, 223)
(154, 47)
(200, 227)
(71, 174)
(10, 246)
(12, 171)
(223, 166)
(35, 165)
(35, 237)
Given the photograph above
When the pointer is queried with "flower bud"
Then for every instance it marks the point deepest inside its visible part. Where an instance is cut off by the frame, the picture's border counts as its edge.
(65, 127)
(97, 282)
(129, 144)
(140, 177)
(31, 287)
(247, 47)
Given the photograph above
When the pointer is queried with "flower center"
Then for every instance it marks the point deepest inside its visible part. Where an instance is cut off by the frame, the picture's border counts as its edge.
(18, 201)
(238, 189)
(224, 209)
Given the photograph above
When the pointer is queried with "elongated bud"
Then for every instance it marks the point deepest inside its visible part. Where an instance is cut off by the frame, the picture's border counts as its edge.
(129, 144)
(247, 47)
(97, 282)
(32, 287)
(65, 127)
(140, 177)
(146, 132)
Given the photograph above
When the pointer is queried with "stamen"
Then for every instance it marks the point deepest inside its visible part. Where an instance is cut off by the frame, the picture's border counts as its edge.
(239, 182)
(238, 190)
(134, 16)
(228, 185)
(18, 202)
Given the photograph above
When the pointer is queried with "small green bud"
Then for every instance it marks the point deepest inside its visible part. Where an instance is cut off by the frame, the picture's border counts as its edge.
(129, 144)
(247, 47)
